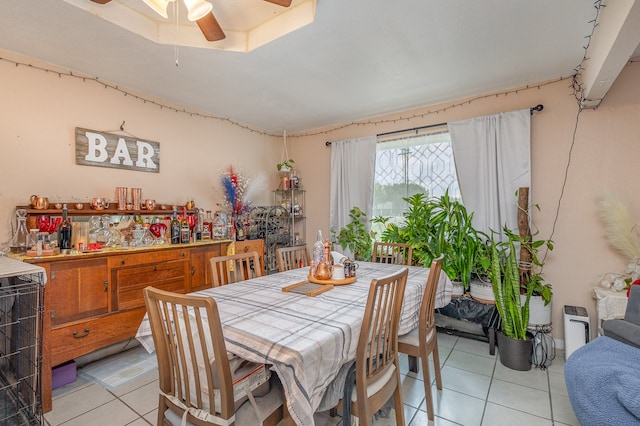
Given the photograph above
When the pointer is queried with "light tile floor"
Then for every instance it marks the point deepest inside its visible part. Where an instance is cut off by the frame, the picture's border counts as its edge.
(477, 390)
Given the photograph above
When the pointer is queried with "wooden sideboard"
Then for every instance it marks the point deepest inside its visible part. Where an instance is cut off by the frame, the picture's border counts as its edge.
(94, 300)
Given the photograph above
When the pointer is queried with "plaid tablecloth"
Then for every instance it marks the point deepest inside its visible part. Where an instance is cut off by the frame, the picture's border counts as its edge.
(306, 339)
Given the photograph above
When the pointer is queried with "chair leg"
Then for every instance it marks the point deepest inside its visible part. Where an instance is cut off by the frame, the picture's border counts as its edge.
(397, 402)
(413, 364)
(426, 378)
(436, 367)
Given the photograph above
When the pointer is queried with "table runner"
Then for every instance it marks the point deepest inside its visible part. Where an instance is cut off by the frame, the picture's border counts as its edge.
(306, 339)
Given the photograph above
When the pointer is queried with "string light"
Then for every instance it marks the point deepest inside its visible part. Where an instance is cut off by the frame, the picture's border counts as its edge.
(140, 98)
(576, 86)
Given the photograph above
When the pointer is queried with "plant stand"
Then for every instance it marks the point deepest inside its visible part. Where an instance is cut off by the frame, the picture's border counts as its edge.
(469, 318)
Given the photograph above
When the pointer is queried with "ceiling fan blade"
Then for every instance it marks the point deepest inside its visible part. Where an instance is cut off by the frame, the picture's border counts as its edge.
(283, 3)
(101, 1)
(210, 28)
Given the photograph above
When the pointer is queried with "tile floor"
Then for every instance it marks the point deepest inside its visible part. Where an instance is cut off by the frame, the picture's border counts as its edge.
(477, 390)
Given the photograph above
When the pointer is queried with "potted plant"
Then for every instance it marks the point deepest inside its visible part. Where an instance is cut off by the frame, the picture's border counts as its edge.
(514, 341)
(286, 166)
(434, 226)
(355, 236)
(541, 292)
(480, 286)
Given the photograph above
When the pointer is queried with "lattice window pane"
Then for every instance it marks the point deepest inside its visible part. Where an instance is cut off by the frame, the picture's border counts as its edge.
(406, 166)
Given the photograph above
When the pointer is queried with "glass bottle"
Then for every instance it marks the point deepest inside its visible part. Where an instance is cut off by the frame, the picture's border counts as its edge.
(185, 233)
(19, 242)
(239, 229)
(207, 227)
(175, 227)
(318, 251)
(64, 231)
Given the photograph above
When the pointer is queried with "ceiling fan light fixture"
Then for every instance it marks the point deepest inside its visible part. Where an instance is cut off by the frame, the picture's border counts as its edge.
(197, 9)
(159, 6)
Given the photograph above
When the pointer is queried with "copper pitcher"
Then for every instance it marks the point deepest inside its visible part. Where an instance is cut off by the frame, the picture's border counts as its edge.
(324, 271)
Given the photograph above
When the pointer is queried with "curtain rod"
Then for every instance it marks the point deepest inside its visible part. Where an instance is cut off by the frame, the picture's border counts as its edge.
(538, 107)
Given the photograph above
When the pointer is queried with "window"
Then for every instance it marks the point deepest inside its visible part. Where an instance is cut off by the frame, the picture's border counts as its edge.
(409, 165)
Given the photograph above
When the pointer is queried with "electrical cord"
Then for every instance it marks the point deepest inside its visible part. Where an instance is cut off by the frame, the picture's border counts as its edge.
(544, 347)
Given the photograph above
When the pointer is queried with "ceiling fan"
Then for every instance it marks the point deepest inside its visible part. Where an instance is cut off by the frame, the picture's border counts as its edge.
(198, 11)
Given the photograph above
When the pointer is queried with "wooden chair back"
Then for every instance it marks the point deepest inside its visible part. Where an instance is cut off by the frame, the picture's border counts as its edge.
(427, 320)
(292, 258)
(236, 267)
(377, 351)
(396, 253)
(184, 356)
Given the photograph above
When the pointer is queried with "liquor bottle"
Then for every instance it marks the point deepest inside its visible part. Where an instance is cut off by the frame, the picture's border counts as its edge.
(219, 227)
(64, 231)
(239, 230)
(185, 233)
(207, 227)
(175, 227)
(318, 251)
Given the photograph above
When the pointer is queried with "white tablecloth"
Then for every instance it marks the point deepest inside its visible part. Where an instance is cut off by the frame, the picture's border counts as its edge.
(306, 339)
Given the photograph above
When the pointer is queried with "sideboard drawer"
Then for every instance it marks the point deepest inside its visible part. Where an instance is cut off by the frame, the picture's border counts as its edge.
(148, 257)
(83, 337)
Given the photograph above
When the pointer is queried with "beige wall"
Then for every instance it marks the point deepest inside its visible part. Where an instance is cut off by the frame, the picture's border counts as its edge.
(41, 110)
(604, 158)
(39, 113)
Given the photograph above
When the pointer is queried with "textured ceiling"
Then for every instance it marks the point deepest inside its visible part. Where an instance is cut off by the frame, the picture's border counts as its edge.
(358, 59)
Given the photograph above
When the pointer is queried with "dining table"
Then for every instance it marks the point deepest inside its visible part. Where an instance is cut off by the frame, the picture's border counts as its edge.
(309, 342)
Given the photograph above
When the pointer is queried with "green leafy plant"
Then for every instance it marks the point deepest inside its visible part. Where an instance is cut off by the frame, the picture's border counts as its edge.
(505, 279)
(530, 273)
(438, 225)
(355, 236)
(285, 165)
(510, 278)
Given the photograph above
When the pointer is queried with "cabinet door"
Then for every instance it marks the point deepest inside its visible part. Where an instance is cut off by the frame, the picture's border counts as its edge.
(200, 267)
(78, 289)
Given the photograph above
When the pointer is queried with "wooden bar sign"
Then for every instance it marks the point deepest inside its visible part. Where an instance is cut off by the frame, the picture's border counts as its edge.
(102, 149)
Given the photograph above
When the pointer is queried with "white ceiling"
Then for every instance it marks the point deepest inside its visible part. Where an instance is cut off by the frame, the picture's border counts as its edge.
(358, 59)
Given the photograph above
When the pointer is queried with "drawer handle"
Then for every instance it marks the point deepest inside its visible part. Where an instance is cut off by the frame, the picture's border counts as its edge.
(155, 268)
(246, 249)
(80, 336)
(122, 262)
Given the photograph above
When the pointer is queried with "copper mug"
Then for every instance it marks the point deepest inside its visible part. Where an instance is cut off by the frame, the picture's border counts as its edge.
(39, 203)
(99, 203)
(149, 204)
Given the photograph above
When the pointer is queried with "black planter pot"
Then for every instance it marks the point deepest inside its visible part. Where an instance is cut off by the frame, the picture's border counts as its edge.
(515, 354)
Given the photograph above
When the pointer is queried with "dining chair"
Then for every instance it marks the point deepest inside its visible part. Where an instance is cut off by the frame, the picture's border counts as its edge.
(236, 267)
(396, 253)
(376, 368)
(292, 258)
(423, 340)
(199, 384)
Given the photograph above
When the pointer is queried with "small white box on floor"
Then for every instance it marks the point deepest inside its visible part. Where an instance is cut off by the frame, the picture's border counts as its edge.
(576, 329)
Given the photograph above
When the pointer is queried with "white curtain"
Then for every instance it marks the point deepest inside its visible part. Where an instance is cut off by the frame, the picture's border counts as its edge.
(353, 165)
(492, 157)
